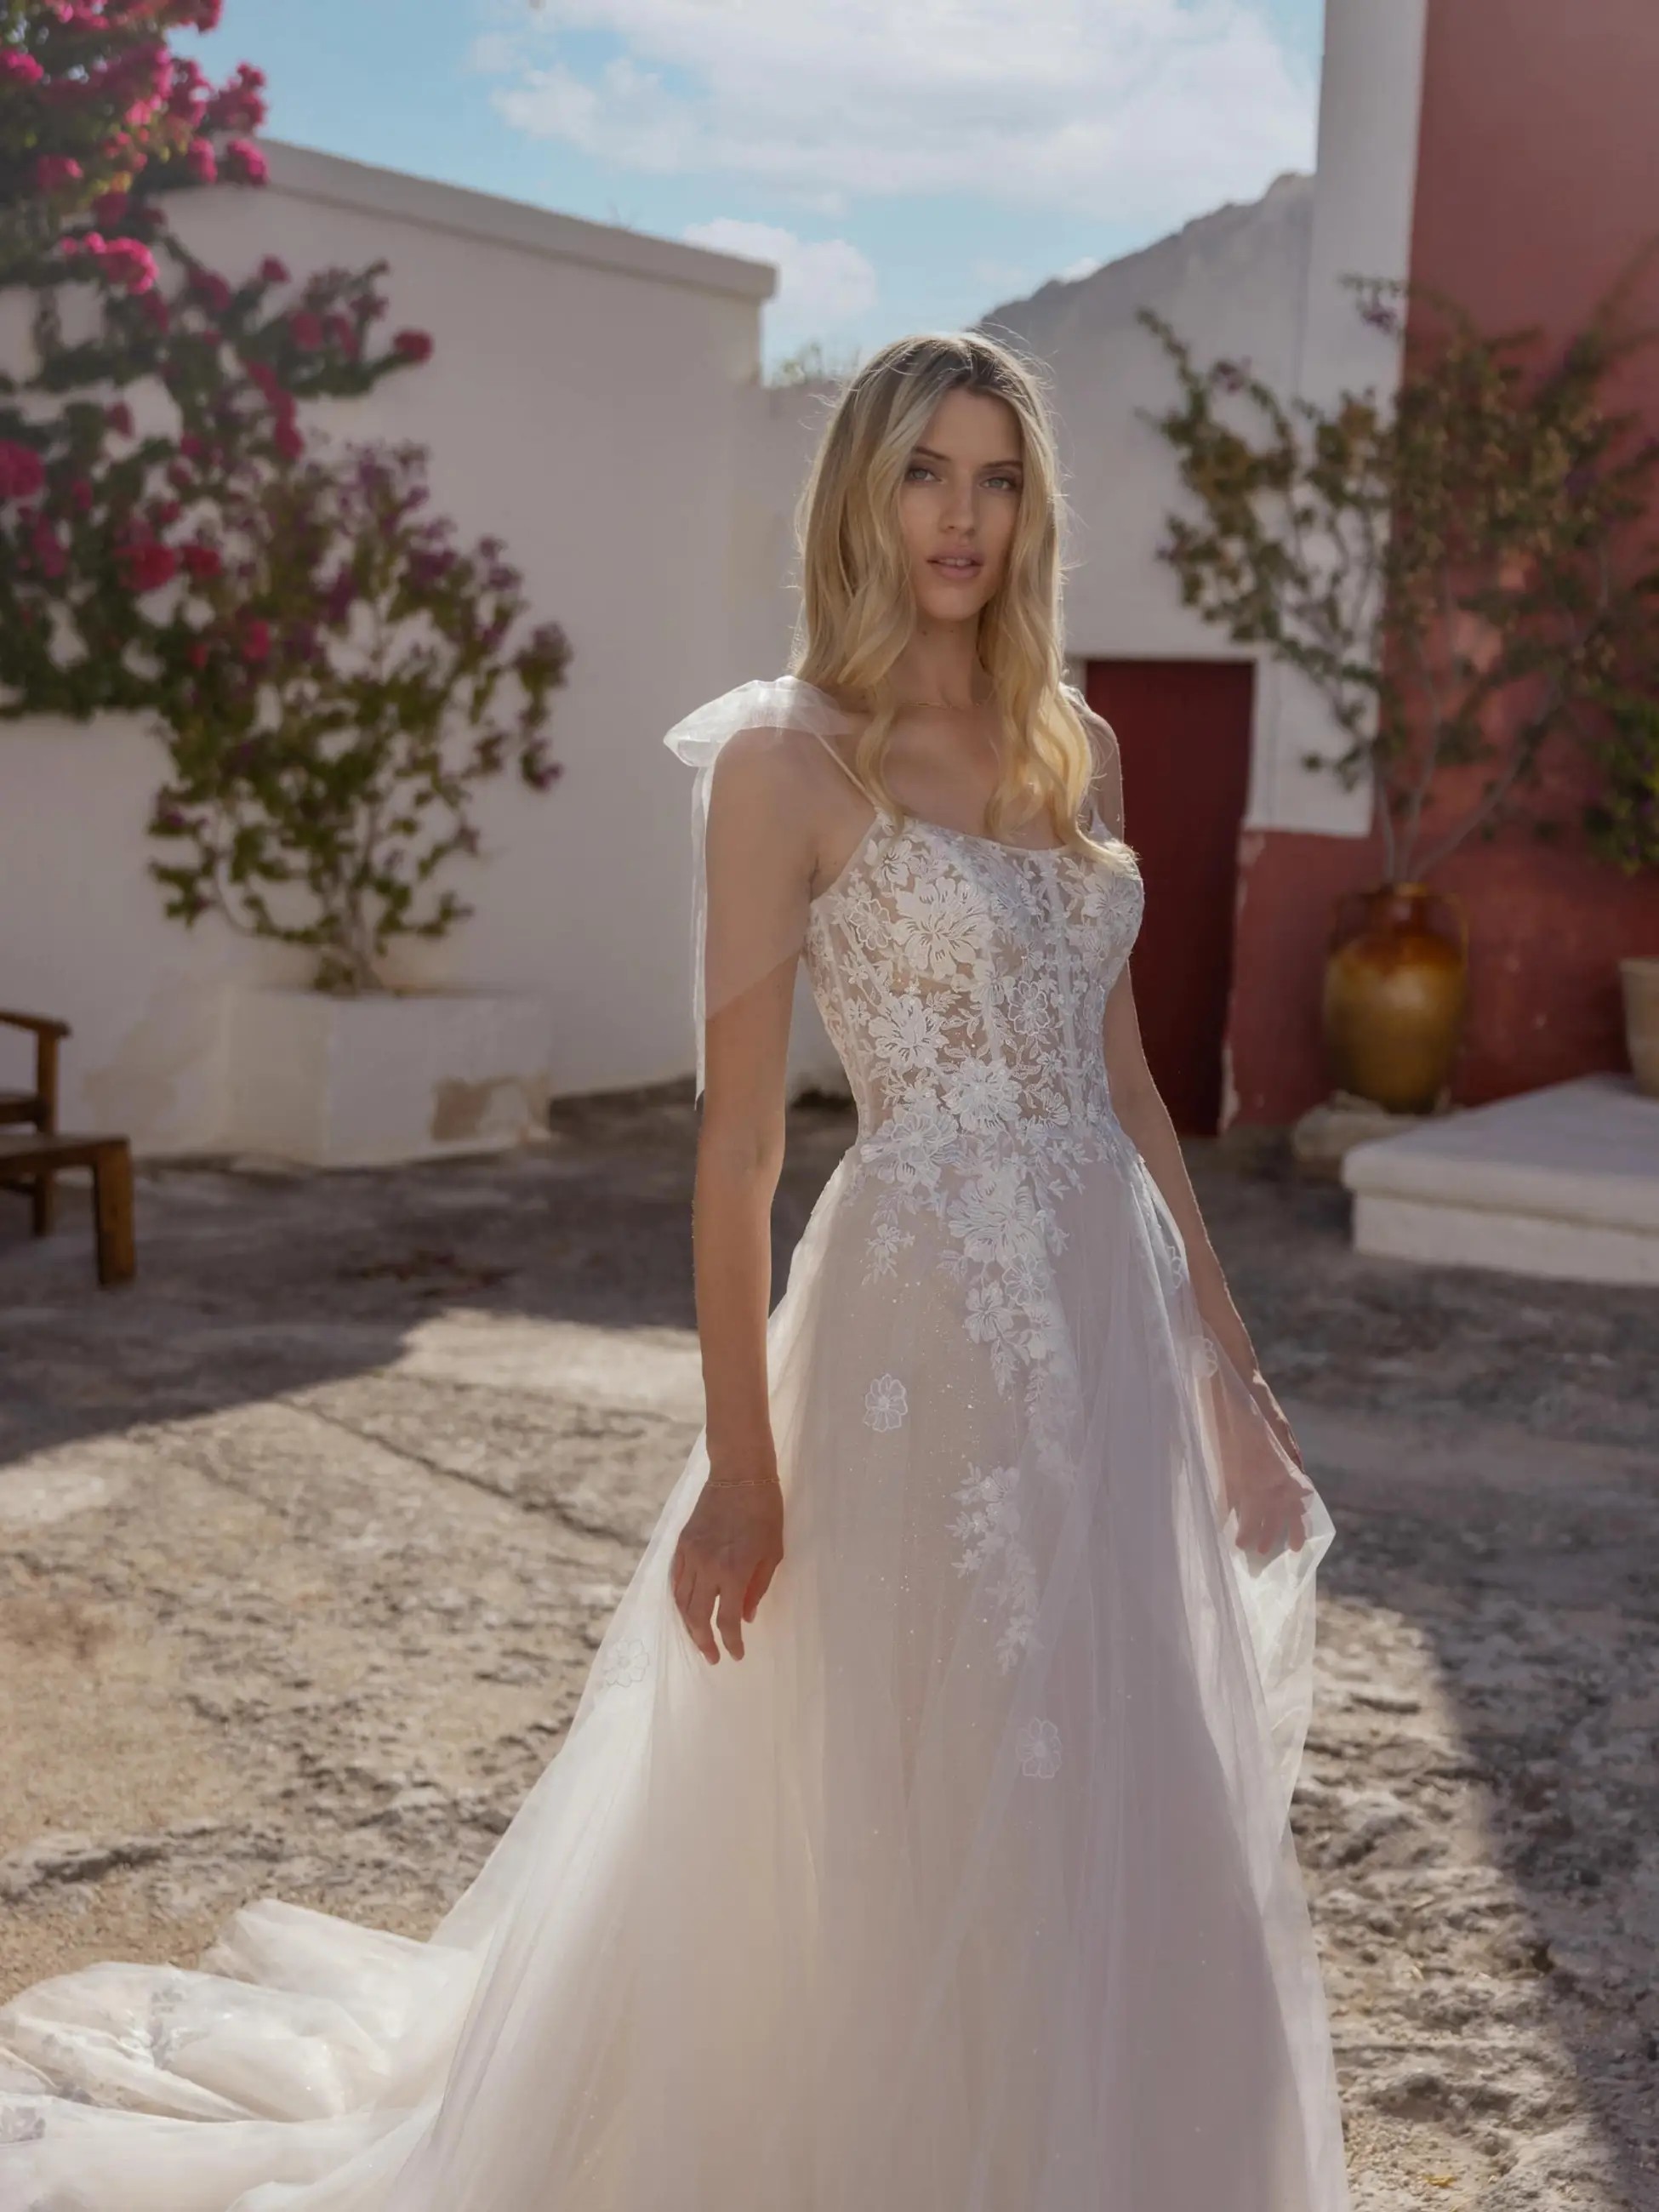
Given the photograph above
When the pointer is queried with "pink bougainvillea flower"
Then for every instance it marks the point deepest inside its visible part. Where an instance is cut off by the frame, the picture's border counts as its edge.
(48, 550)
(146, 568)
(273, 271)
(78, 490)
(201, 161)
(53, 173)
(212, 289)
(413, 345)
(244, 164)
(307, 331)
(239, 105)
(202, 560)
(119, 418)
(20, 68)
(112, 207)
(131, 265)
(198, 654)
(256, 639)
(286, 439)
(21, 474)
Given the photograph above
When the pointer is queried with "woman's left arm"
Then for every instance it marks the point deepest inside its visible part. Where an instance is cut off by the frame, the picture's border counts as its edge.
(1139, 1106)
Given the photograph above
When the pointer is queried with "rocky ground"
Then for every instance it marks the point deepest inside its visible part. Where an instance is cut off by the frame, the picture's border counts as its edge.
(306, 1540)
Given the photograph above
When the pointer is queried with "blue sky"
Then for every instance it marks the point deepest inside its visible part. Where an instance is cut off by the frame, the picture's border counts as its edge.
(906, 163)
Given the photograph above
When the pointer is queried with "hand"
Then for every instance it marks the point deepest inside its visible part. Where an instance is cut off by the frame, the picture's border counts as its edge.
(727, 1553)
(1270, 1501)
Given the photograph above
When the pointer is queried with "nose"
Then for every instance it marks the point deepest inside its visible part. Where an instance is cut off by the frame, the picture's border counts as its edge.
(959, 505)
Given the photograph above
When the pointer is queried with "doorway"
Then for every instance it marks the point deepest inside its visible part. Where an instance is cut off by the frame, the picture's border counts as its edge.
(1183, 731)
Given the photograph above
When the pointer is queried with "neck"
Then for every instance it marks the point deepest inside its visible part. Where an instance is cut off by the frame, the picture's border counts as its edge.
(940, 668)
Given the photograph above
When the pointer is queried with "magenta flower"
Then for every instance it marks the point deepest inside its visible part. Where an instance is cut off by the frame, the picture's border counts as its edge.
(201, 562)
(412, 345)
(119, 418)
(256, 639)
(201, 161)
(273, 271)
(21, 68)
(146, 567)
(212, 290)
(307, 331)
(54, 172)
(22, 473)
(245, 164)
(131, 265)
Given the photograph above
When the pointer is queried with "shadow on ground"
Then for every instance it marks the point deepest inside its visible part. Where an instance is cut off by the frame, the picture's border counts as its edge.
(309, 1537)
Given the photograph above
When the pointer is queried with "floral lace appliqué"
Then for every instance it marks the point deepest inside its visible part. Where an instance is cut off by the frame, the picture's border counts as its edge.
(989, 1526)
(964, 983)
(625, 1662)
(886, 1403)
(1037, 1746)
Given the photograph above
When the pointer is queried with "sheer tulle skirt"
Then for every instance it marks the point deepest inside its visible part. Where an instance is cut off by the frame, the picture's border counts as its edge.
(969, 1889)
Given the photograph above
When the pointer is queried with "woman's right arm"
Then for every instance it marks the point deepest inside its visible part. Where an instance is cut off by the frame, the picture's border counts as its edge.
(759, 859)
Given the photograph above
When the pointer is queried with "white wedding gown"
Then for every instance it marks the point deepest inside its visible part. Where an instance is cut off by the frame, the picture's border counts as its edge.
(970, 1888)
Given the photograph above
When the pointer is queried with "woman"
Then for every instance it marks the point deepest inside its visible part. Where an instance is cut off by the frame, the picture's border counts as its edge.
(920, 1841)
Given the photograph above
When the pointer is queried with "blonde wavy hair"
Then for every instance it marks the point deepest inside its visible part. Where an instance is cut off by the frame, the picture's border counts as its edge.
(857, 608)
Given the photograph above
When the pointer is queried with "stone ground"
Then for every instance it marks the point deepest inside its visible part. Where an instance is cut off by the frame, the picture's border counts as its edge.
(307, 1540)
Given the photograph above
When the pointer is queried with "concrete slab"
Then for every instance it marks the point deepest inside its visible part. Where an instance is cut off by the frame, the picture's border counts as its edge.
(1562, 1181)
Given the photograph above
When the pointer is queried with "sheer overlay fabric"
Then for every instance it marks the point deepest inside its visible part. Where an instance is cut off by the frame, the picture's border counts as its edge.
(971, 1888)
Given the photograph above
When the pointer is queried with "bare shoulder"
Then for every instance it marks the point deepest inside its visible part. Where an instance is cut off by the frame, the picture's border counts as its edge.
(779, 781)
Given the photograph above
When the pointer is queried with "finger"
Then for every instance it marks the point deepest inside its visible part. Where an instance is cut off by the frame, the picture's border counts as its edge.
(730, 1617)
(699, 1603)
(759, 1583)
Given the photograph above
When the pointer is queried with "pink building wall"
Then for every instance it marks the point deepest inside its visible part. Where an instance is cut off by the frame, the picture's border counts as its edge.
(1537, 179)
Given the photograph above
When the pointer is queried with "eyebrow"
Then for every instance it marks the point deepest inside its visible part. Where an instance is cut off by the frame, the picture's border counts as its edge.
(934, 454)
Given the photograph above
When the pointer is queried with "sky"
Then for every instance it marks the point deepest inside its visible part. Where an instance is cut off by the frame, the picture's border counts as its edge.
(906, 164)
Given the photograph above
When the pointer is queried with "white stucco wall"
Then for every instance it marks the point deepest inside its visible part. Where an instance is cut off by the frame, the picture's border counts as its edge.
(1262, 284)
(584, 403)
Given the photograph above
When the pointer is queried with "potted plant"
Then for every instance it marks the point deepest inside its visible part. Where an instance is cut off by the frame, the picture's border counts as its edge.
(1622, 823)
(1448, 572)
(341, 679)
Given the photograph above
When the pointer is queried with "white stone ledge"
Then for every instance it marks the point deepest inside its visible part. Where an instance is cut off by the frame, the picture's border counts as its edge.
(1562, 1181)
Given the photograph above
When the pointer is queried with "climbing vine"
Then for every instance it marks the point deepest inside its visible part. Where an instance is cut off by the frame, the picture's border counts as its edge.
(1456, 572)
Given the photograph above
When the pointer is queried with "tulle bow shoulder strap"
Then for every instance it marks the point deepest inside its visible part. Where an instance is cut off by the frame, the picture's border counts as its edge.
(751, 926)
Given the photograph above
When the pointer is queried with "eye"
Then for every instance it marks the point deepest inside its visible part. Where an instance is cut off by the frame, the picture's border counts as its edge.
(913, 467)
(1012, 482)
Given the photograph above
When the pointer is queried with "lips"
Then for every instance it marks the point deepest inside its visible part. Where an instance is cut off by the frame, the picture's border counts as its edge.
(956, 564)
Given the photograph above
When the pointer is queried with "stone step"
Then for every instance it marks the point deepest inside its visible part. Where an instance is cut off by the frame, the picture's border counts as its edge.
(1562, 1181)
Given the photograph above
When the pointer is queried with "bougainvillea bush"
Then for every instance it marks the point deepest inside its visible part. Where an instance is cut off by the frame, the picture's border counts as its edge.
(1457, 572)
(356, 674)
(330, 672)
(100, 124)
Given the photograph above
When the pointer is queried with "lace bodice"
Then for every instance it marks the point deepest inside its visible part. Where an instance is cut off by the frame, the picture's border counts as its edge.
(961, 977)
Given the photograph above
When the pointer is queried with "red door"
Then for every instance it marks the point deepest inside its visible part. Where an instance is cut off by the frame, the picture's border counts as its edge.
(1183, 729)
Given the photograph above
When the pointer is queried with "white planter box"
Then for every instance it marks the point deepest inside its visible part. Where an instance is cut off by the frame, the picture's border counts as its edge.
(419, 1075)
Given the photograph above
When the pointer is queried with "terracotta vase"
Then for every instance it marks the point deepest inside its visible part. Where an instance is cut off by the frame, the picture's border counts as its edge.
(1395, 985)
(1639, 978)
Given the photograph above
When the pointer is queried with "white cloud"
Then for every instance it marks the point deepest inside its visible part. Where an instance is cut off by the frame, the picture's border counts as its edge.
(1139, 111)
(821, 282)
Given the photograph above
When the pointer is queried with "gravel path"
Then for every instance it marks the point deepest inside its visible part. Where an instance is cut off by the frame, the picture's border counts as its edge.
(307, 1540)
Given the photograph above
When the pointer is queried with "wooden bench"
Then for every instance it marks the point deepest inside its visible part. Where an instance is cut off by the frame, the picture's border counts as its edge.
(32, 1158)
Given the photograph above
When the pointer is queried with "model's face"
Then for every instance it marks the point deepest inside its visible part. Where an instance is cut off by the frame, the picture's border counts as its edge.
(959, 501)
